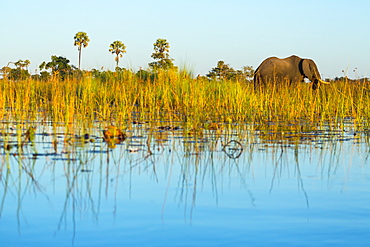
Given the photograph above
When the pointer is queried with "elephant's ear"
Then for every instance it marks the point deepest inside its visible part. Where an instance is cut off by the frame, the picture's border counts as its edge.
(306, 69)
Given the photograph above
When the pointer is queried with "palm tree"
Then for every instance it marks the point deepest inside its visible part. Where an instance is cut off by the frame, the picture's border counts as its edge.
(117, 47)
(81, 40)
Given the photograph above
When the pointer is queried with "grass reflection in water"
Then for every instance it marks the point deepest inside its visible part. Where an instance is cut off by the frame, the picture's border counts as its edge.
(149, 172)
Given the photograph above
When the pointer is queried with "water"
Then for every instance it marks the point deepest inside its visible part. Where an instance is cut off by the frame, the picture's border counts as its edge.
(164, 187)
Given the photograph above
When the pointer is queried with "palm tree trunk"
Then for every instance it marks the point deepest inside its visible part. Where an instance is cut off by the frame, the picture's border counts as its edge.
(79, 56)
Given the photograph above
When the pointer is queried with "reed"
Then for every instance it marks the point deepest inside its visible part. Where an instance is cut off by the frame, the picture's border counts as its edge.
(178, 97)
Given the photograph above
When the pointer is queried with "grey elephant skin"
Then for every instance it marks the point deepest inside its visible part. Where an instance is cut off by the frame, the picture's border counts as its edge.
(289, 70)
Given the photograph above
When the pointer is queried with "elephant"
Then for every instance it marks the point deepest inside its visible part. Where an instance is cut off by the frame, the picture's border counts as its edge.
(288, 70)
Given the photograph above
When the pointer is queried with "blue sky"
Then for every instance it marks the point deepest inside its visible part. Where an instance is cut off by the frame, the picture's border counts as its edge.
(335, 33)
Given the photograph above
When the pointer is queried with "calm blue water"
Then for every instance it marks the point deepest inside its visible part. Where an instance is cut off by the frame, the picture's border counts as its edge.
(311, 190)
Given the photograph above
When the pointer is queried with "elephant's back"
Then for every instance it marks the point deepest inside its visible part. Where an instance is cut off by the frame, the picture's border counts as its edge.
(273, 61)
(267, 64)
(270, 60)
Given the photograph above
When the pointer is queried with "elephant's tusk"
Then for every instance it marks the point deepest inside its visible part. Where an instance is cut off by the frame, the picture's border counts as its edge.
(324, 82)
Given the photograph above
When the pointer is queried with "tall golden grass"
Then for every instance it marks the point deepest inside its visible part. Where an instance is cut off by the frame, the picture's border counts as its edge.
(176, 96)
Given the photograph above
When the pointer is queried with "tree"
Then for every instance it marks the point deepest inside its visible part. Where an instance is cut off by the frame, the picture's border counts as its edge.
(81, 40)
(118, 48)
(5, 71)
(161, 54)
(223, 72)
(19, 73)
(59, 66)
(44, 76)
(247, 73)
(21, 64)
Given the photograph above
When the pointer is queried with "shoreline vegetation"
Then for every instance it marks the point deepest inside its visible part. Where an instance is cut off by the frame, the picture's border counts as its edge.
(175, 95)
(62, 93)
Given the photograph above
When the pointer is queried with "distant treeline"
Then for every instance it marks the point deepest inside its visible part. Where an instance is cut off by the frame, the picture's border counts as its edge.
(59, 67)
